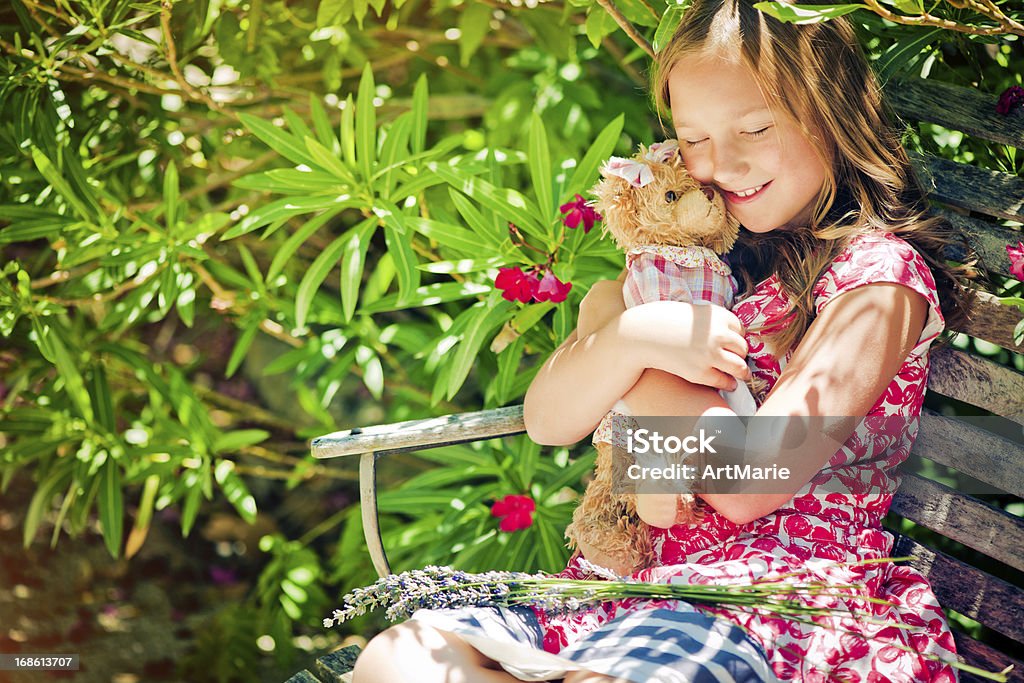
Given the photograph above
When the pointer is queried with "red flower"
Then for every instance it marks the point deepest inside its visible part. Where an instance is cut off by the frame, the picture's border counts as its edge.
(515, 284)
(577, 211)
(516, 511)
(1016, 255)
(552, 289)
(1011, 98)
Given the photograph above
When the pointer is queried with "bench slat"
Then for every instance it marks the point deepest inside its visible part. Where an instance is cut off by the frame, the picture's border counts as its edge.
(983, 656)
(971, 592)
(955, 107)
(977, 381)
(962, 518)
(977, 452)
(994, 322)
(978, 189)
(413, 435)
(988, 240)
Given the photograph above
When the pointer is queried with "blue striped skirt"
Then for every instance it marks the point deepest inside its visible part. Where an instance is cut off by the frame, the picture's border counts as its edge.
(678, 645)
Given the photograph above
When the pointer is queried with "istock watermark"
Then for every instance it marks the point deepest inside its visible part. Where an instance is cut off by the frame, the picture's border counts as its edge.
(800, 454)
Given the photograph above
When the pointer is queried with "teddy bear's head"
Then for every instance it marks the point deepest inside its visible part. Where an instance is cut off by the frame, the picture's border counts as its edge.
(651, 199)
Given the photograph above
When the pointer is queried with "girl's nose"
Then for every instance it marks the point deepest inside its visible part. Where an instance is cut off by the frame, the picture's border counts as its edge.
(729, 166)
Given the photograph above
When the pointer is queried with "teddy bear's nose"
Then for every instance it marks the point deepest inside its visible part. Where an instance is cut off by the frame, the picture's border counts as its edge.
(708, 192)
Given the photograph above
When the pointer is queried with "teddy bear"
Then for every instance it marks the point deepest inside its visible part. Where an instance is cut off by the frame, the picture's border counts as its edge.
(672, 230)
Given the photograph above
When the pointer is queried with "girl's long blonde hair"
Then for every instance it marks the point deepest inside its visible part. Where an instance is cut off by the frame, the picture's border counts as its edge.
(820, 75)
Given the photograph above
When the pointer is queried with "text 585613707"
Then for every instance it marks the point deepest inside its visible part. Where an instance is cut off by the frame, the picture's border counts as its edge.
(33, 662)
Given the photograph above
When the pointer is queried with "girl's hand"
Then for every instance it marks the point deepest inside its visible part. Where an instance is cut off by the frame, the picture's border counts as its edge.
(703, 344)
(657, 509)
(602, 303)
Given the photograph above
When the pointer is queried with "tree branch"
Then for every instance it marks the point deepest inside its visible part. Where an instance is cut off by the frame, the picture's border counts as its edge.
(624, 24)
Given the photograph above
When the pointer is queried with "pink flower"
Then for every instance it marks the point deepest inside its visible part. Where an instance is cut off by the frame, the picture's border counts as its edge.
(552, 289)
(1011, 98)
(577, 211)
(515, 284)
(516, 511)
(1016, 255)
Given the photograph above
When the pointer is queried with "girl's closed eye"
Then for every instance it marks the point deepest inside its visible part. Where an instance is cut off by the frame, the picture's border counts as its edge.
(760, 132)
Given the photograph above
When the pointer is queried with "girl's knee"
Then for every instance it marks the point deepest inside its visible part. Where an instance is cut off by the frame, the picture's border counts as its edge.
(413, 651)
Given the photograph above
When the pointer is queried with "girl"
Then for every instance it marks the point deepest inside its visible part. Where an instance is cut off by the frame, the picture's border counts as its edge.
(843, 274)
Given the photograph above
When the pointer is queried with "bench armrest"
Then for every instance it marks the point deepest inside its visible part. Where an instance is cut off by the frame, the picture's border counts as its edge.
(414, 435)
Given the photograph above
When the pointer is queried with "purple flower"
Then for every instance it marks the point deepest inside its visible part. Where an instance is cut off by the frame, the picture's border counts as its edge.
(552, 289)
(515, 285)
(1011, 98)
(577, 211)
(1016, 254)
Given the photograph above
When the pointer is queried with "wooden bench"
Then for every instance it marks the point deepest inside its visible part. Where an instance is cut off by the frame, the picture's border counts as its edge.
(961, 192)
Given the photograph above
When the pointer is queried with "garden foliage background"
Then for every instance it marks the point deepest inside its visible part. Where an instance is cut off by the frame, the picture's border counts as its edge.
(229, 226)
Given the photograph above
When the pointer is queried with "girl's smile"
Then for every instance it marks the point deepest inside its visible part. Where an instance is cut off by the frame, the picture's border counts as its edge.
(745, 196)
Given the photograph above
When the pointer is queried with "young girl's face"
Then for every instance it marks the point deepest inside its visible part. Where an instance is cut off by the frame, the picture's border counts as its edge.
(755, 154)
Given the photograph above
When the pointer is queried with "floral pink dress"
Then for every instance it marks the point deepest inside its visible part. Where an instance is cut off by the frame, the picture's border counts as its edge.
(835, 517)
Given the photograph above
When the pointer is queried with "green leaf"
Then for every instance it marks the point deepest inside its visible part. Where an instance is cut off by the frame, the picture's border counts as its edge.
(26, 231)
(99, 391)
(428, 295)
(598, 25)
(41, 501)
(314, 277)
(474, 219)
(348, 132)
(552, 547)
(481, 324)
(235, 490)
(474, 21)
(373, 371)
(805, 14)
(287, 145)
(399, 243)
(329, 161)
(450, 236)
(462, 265)
(366, 124)
(242, 346)
(352, 262)
(143, 517)
(51, 345)
(905, 51)
(111, 507)
(540, 169)
(53, 176)
(1018, 333)
(297, 126)
(420, 99)
(283, 253)
(190, 508)
(283, 209)
(913, 7)
(171, 197)
(394, 150)
(668, 24)
(322, 124)
(586, 172)
(506, 202)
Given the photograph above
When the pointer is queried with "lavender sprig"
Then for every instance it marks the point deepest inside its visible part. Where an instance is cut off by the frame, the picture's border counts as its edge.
(441, 587)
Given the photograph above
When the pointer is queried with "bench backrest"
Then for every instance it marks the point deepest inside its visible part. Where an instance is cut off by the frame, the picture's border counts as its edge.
(973, 199)
(967, 194)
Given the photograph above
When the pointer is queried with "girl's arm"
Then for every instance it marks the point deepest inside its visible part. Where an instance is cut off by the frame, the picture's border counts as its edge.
(847, 358)
(588, 373)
